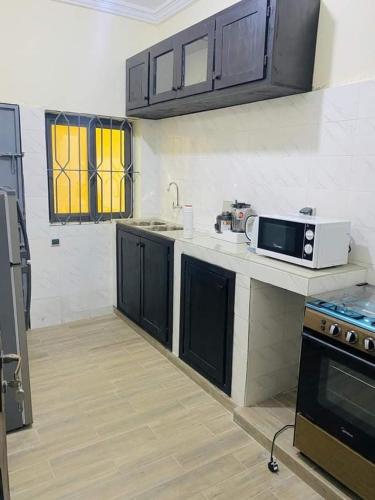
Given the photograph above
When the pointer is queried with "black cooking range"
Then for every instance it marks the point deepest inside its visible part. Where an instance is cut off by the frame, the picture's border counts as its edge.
(335, 422)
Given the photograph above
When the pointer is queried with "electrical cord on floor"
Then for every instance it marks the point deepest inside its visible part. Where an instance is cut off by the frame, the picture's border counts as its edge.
(273, 466)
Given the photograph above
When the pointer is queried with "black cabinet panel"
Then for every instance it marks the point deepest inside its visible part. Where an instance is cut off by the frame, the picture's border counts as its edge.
(207, 316)
(241, 44)
(128, 274)
(145, 281)
(137, 75)
(155, 289)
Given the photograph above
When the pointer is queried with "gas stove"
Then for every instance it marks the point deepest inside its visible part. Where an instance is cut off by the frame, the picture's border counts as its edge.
(336, 388)
(347, 316)
(355, 305)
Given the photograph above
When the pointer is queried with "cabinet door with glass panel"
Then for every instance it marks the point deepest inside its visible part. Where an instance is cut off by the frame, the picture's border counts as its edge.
(183, 64)
(195, 59)
(163, 81)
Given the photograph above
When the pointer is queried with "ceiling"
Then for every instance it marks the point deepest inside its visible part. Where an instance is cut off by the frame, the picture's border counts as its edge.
(152, 11)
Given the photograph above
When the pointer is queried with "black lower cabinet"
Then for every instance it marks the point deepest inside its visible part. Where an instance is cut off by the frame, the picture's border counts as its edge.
(145, 281)
(128, 274)
(207, 317)
(156, 289)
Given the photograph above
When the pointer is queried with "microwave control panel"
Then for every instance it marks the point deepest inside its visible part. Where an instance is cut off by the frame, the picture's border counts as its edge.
(309, 240)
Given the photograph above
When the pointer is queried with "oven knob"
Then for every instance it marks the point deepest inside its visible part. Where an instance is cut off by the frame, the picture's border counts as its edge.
(335, 330)
(308, 249)
(369, 344)
(309, 235)
(351, 337)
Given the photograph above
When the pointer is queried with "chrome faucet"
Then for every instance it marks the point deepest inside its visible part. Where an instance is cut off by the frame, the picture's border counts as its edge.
(177, 204)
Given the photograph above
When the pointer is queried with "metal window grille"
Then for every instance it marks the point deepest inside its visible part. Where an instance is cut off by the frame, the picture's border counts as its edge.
(90, 168)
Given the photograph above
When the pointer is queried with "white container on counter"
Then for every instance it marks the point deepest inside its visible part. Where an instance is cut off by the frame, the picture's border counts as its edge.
(188, 221)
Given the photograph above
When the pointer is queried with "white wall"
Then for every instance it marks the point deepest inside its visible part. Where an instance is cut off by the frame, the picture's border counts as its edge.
(312, 149)
(56, 56)
(69, 58)
(316, 149)
(279, 155)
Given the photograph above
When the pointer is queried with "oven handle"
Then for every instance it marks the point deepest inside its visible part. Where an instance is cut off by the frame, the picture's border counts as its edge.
(337, 349)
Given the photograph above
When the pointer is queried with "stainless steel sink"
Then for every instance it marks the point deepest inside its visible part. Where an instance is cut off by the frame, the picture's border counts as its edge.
(145, 223)
(166, 227)
(154, 225)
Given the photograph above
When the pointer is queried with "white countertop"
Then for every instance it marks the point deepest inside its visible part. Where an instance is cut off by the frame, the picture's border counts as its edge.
(289, 276)
(243, 251)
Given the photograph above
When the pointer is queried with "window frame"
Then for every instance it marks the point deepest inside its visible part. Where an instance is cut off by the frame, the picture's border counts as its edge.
(91, 122)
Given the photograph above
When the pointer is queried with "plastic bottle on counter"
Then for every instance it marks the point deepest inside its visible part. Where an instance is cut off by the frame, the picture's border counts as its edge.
(188, 221)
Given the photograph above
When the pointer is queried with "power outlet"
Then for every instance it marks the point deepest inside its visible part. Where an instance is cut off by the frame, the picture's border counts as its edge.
(55, 242)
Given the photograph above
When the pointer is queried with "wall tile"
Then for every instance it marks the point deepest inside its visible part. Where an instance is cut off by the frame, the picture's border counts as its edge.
(76, 279)
(311, 149)
(367, 100)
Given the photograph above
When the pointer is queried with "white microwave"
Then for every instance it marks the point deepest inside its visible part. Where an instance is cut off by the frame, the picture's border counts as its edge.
(313, 242)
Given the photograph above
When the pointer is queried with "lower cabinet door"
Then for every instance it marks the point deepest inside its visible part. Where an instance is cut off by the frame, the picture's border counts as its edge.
(128, 274)
(207, 316)
(156, 289)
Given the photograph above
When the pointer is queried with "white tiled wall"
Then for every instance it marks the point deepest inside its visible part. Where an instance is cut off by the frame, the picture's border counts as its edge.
(76, 279)
(276, 316)
(315, 149)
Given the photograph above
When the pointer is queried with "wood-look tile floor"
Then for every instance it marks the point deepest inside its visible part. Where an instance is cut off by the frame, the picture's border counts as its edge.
(113, 419)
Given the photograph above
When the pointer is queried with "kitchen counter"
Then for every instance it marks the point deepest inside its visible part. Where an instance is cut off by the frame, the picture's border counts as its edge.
(245, 261)
(269, 307)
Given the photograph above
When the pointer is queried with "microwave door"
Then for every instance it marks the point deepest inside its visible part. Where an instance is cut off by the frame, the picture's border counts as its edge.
(281, 237)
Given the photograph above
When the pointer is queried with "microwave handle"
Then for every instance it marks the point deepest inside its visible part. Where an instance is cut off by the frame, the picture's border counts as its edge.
(337, 349)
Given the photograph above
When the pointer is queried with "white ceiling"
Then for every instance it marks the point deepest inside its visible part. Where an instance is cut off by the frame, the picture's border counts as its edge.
(152, 11)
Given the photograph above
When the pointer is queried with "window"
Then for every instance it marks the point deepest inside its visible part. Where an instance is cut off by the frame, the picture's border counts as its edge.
(90, 174)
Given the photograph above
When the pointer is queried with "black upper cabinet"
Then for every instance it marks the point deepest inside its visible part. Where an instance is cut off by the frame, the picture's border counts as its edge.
(252, 51)
(241, 44)
(145, 281)
(207, 316)
(137, 74)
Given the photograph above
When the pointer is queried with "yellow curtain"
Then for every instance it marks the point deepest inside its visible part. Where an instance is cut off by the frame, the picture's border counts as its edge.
(70, 187)
(110, 144)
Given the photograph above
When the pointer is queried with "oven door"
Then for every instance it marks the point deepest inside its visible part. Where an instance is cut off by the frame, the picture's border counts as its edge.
(281, 236)
(337, 393)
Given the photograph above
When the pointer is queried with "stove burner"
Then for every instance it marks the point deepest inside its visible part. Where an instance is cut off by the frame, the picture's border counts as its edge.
(349, 314)
(355, 305)
(370, 321)
(341, 309)
(327, 305)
